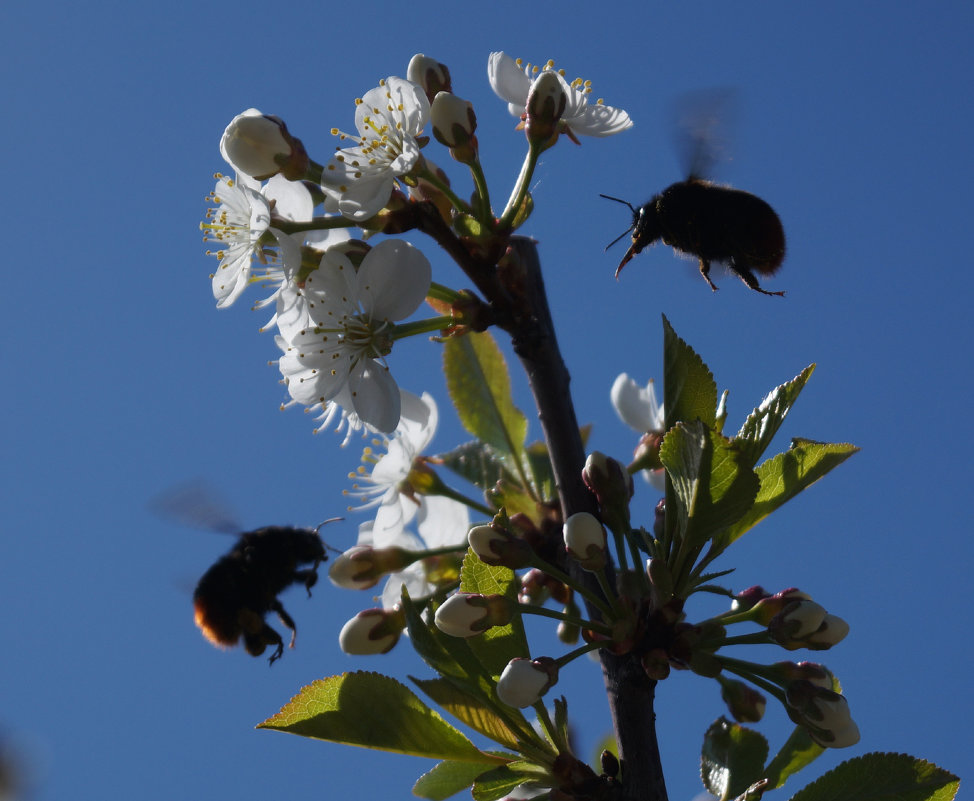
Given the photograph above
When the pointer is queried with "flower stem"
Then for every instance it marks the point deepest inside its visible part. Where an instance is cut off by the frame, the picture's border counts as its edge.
(416, 327)
(541, 611)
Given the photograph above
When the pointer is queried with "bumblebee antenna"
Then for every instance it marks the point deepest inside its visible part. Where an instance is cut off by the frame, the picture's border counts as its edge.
(635, 215)
(325, 523)
(620, 200)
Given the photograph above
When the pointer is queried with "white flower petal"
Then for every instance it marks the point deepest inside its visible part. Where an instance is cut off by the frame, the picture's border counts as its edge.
(375, 395)
(508, 80)
(442, 521)
(393, 280)
(635, 405)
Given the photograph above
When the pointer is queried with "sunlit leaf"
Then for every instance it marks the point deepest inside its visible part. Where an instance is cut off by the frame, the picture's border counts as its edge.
(500, 644)
(785, 475)
(447, 778)
(799, 751)
(763, 423)
(689, 390)
(479, 386)
(496, 783)
(469, 709)
(477, 463)
(712, 483)
(373, 711)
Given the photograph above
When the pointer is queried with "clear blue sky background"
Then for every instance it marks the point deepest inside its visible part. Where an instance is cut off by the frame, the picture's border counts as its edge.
(122, 378)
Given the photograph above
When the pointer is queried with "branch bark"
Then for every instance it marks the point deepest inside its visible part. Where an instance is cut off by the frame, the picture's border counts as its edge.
(630, 692)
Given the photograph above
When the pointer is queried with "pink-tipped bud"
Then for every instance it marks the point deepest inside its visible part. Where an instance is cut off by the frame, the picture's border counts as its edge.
(524, 681)
(260, 146)
(585, 540)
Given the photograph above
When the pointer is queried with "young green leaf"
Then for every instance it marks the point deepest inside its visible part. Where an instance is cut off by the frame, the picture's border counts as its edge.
(882, 777)
(763, 423)
(799, 751)
(477, 463)
(479, 386)
(689, 390)
(469, 709)
(447, 778)
(712, 482)
(373, 711)
(496, 783)
(732, 758)
(784, 476)
(498, 645)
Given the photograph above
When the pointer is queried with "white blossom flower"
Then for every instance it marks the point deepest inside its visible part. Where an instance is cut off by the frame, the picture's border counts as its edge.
(389, 119)
(636, 406)
(353, 312)
(241, 223)
(512, 81)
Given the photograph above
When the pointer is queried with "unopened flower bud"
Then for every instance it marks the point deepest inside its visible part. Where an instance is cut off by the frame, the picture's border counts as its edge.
(795, 622)
(524, 681)
(470, 614)
(454, 123)
(568, 632)
(430, 74)
(361, 566)
(656, 663)
(260, 146)
(745, 704)
(610, 482)
(373, 631)
(499, 548)
(547, 100)
(766, 609)
(747, 599)
(662, 580)
(787, 672)
(585, 540)
(832, 631)
(824, 714)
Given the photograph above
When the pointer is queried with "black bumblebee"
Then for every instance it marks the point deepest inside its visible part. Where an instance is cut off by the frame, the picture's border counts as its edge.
(712, 222)
(236, 593)
(234, 596)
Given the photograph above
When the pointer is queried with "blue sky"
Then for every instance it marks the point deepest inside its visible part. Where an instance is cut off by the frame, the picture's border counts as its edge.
(853, 122)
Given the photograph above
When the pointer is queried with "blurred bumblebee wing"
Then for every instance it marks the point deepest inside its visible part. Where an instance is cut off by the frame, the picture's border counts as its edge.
(195, 504)
(702, 123)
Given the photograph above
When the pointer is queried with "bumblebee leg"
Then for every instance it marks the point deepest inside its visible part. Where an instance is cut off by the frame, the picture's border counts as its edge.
(307, 577)
(286, 620)
(748, 278)
(257, 641)
(705, 272)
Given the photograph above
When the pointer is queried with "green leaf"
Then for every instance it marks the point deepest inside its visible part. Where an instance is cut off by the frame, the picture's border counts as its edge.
(763, 423)
(689, 390)
(469, 709)
(712, 483)
(799, 751)
(477, 379)
(514, 499)
(496, 783)
(373, 711)
(477, 463)
(447, 778)
(498, 645)
(882, 777)
(784, 476)
(732, 758)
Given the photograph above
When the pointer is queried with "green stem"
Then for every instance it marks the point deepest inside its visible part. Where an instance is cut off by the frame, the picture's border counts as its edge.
(581, 589)
(448, 492)
(430, 177)
(314, 224)
(444, 293)
(541, 611)
(563, 660)
(520, 186)
(480, 182)
(416, 327)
